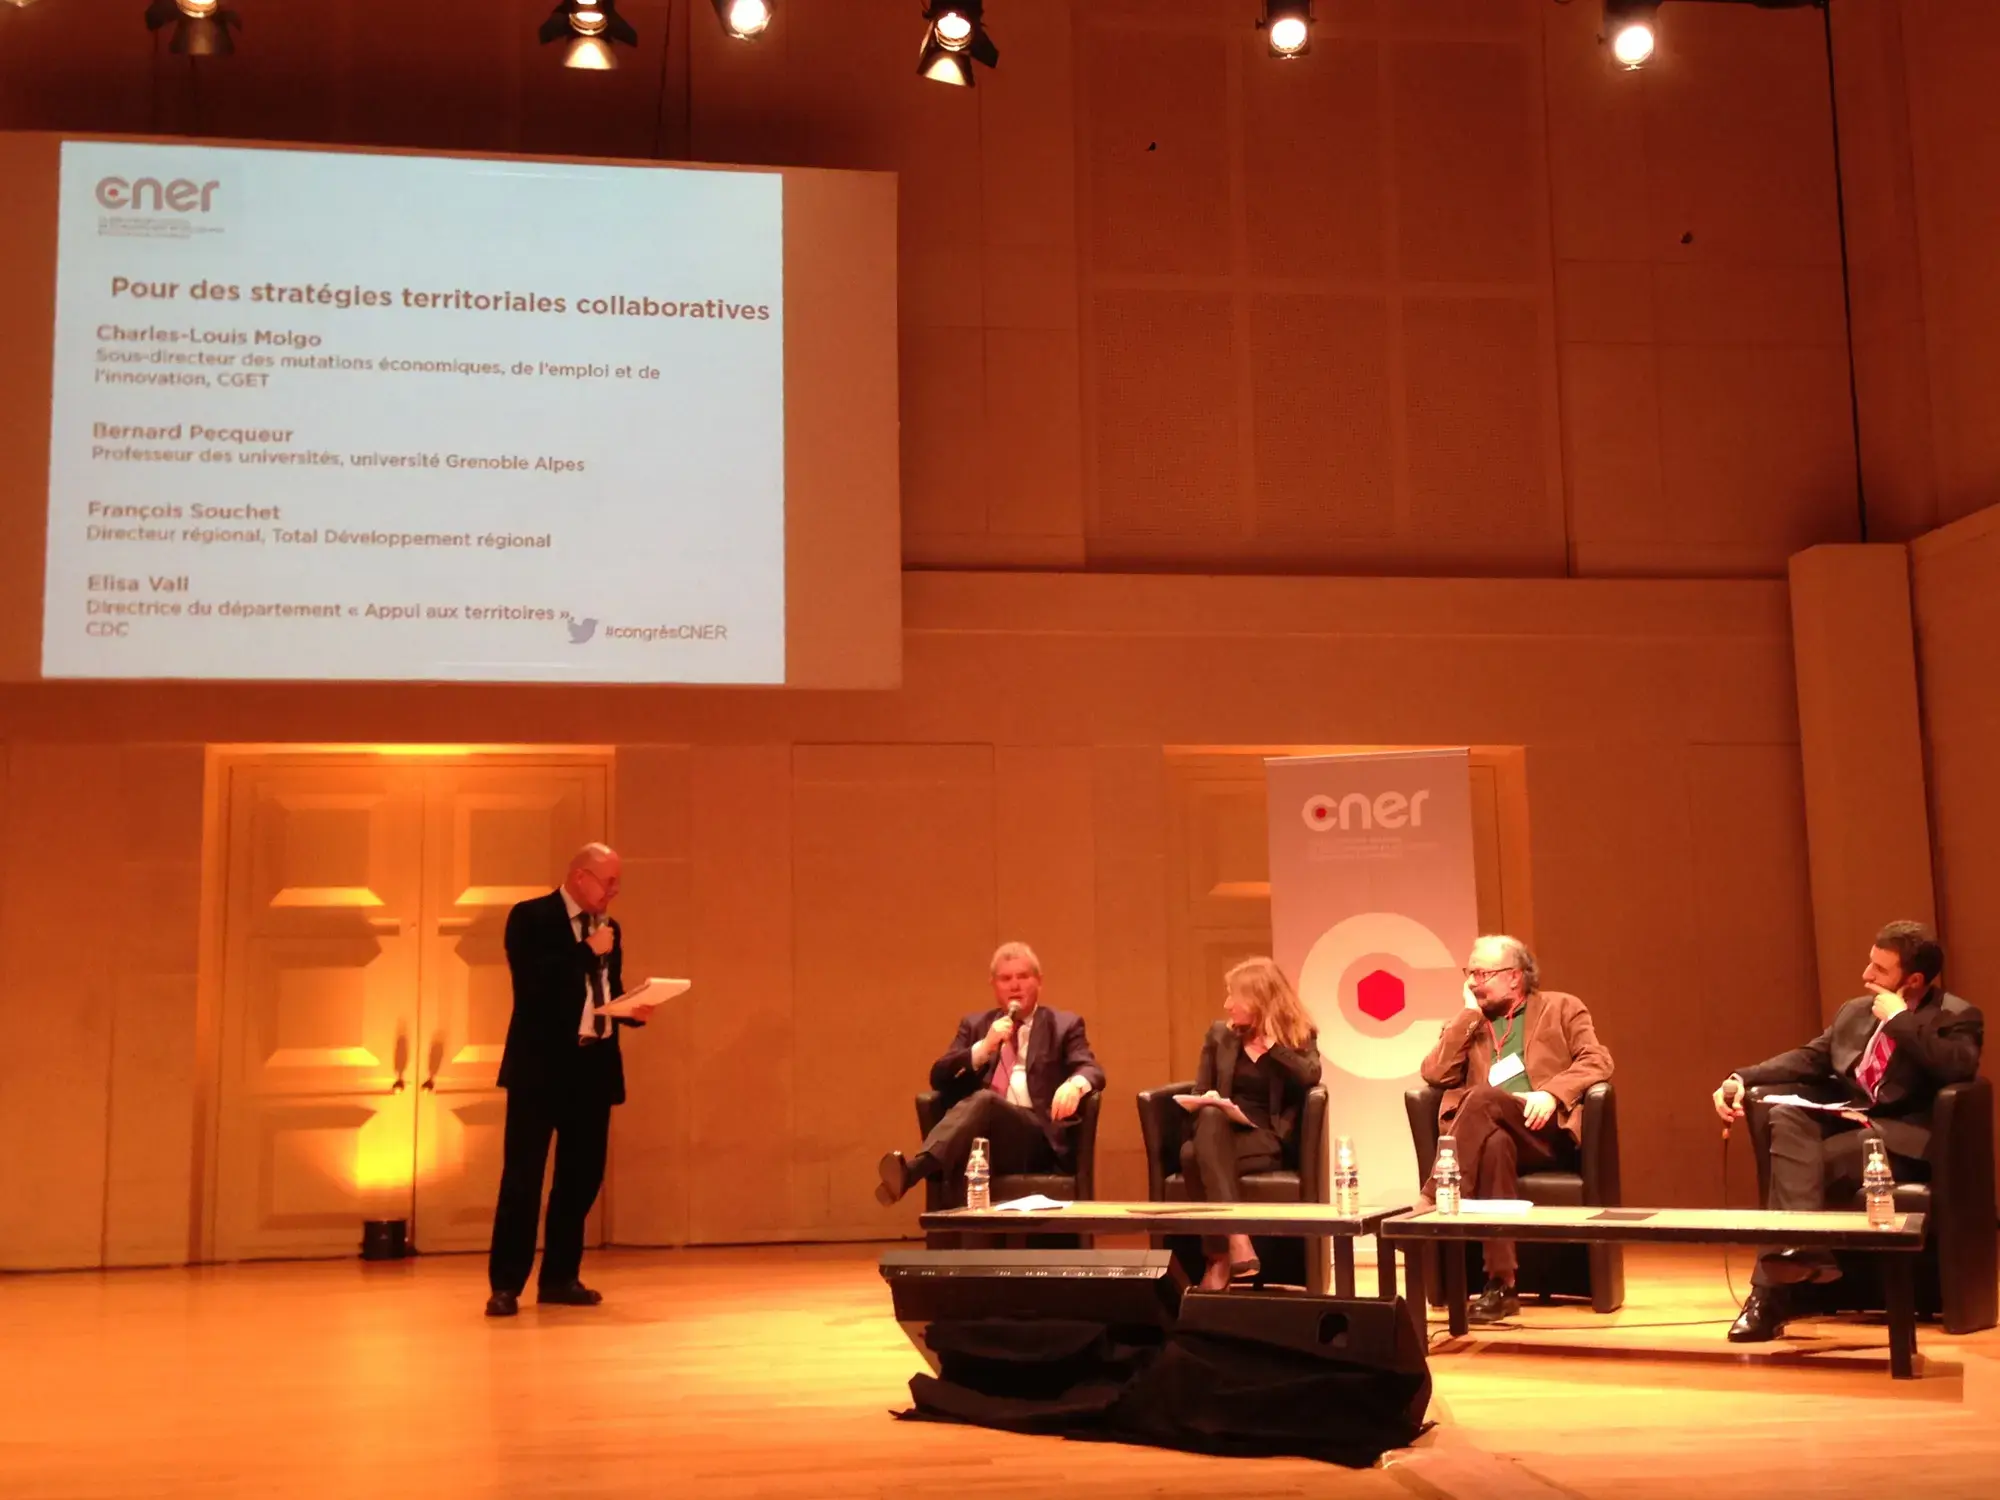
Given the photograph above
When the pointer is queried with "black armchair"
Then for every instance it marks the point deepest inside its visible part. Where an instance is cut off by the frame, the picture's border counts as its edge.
(1076, 1185)
(1289, 1261)
(1958, 1276)
(1551, 1270)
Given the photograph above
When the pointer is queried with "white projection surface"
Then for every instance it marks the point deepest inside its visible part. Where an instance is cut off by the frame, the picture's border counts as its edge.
(325, 416)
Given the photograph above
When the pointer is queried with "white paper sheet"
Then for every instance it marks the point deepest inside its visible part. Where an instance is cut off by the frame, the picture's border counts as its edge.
(1193, 1102)
(649, 992)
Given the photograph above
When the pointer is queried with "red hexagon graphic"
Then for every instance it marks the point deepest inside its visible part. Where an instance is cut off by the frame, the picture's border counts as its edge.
(1380, 995)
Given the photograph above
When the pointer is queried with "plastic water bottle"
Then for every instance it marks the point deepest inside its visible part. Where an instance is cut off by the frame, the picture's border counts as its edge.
(1444, 1176)
(978, 1176)
(1346, 1176)
(1878, 1185)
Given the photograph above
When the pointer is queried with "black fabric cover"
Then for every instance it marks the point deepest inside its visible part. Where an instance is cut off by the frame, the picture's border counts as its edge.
(1205, 1392)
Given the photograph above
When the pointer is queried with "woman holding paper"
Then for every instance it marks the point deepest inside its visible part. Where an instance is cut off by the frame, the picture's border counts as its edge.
(1257, 1064)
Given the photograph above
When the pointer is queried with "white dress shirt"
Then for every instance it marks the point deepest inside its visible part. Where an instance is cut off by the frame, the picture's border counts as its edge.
(582, 923)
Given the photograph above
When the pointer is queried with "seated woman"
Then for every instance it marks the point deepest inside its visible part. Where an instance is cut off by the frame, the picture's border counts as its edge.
(1263, 1055)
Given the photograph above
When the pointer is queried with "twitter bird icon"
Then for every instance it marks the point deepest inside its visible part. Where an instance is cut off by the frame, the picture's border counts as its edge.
(581, 631)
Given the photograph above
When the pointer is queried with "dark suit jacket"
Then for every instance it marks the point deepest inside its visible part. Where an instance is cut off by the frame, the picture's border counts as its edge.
(1562, 1054)
(1057, 1048)
(1937, 1042)
(1297, 1072)
(550, 968)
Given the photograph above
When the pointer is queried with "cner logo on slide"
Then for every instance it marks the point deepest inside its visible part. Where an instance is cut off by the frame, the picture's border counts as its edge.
(150, 195)
(168, 208)
(1324, 814)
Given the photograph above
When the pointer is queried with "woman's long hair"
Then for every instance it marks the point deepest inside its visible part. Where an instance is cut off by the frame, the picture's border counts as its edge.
(1278, 1011)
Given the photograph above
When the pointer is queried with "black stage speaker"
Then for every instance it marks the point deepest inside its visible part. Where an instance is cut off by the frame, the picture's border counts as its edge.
(1345, 1329)
(1328, 1377)
(1129, 1288)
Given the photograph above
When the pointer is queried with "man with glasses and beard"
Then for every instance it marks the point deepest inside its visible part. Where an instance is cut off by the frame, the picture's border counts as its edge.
(1514, 1066)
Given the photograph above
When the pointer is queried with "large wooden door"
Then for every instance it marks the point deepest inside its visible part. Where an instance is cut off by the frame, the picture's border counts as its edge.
(321, 962)
(492, 836)
(365, 994)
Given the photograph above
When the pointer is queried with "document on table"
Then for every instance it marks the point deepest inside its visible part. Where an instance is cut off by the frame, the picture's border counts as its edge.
(1033, 1203)
(1193, 1102)
(1494, 1205)
(649, 993)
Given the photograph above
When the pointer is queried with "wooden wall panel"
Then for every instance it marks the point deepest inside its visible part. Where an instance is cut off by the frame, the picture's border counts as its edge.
(894, 918)
(1955, 587)
(58, 931)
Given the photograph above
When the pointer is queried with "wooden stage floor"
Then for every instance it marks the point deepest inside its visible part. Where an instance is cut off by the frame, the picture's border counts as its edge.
(773, 1372)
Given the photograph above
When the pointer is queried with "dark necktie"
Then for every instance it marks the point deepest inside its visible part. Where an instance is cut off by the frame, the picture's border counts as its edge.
(600, 1024)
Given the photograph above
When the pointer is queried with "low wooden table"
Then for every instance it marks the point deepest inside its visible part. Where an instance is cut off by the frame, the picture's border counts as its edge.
(1654, 1226)
(1298, 1220)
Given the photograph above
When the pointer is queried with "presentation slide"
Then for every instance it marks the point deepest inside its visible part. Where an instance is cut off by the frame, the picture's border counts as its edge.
(320, 415)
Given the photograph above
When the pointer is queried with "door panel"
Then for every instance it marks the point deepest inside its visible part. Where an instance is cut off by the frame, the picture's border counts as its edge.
(322, 947)
(494, 835)
(365, 911)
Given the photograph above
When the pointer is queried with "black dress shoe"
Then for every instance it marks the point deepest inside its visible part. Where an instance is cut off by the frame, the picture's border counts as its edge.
(503, 1305)
(895, 1173)
(576, 1294)
(1762, 1318)
(1498, 1301)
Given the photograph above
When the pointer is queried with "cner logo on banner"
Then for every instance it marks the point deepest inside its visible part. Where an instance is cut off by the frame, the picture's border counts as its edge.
(1373, 909)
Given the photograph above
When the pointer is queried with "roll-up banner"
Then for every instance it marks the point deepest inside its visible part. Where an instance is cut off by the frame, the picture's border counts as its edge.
(1373, 911)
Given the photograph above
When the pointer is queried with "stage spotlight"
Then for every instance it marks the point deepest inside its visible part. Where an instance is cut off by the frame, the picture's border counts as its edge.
(201, 27)
(588, 28)
(1632, 29)
(1287, 27)
(744, 20)
(954, 39)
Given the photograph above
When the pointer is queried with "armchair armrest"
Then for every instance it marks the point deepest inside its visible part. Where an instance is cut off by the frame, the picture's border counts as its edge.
(1601, 1185)
(1162, 1126)
(1421, 1105)
(1315, 1167)
(1962, 1205)
(930, 1109)
(1085, 1145)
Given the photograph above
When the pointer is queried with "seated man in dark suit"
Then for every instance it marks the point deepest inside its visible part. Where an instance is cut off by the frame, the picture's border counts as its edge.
(1016, 1073)
(1888, 1053)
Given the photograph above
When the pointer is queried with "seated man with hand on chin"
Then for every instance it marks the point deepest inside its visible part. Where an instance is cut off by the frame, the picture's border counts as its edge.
(1016, 1073)
(1886, 1055)
(1514, 1066)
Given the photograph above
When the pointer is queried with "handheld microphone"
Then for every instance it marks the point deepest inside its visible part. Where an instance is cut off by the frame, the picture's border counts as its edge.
(1014, 1010)
(1730, 1096)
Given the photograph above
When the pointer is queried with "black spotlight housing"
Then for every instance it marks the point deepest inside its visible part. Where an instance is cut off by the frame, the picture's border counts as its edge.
(954, 39)
(590, 27)
(1287, 27)
(1631, 31)
(745, 20)
(201, 28)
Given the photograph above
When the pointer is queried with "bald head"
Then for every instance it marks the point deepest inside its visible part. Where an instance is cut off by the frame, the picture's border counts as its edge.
(592, 881)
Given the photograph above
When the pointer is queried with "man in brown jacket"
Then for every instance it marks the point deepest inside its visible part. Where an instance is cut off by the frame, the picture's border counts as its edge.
(1514, 1066)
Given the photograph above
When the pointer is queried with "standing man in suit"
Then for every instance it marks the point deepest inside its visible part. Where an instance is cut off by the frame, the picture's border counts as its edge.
(1885, 1057)
(1016, 1073)
(562, 1074)
(1514, 1066)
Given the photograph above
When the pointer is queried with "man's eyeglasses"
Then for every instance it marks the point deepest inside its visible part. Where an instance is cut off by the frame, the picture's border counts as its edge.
(1480, 976)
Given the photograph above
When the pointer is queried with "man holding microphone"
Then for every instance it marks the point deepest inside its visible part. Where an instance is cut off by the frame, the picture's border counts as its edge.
(1016, 1073)
(562, 1073)
(1886, 1055)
